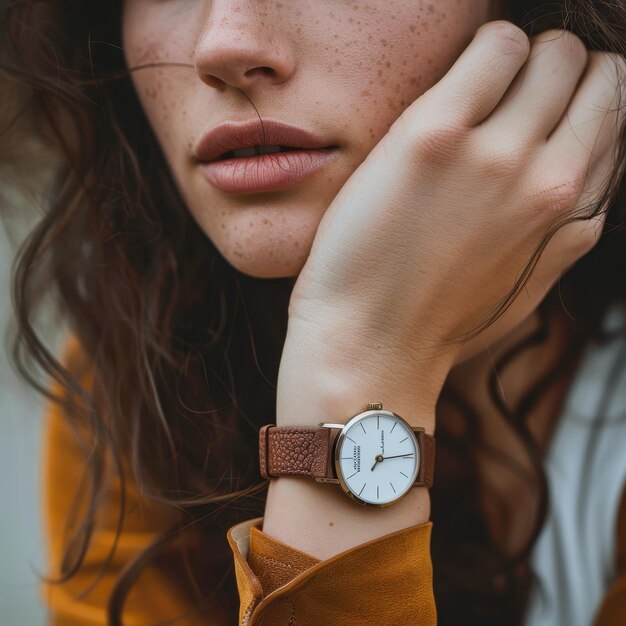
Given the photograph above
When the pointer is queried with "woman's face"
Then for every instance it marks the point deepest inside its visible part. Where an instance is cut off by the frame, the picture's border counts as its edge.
(343, 71)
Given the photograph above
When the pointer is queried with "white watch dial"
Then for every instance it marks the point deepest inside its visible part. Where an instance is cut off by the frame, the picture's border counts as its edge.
(378, 457)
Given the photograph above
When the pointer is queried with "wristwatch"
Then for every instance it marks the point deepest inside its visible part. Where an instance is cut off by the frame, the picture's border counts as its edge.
(375, 457)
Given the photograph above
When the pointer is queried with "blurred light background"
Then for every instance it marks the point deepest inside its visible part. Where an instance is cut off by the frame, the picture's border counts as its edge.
(22, 555)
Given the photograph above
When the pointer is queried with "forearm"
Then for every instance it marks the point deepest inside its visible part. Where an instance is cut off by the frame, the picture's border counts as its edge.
(319, 518)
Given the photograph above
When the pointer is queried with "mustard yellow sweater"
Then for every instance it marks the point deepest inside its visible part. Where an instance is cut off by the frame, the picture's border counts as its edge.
(277, 583)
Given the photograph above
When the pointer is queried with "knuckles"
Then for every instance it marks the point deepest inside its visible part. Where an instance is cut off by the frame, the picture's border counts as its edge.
(433, 138)
(500, 155)
(439, 142)
(550, 192)
(436, 140)
(557, 192)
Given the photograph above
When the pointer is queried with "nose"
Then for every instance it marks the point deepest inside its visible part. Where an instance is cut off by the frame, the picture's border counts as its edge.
(242, 49)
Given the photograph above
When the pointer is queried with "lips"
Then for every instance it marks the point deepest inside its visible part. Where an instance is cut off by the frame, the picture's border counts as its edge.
(231, 136)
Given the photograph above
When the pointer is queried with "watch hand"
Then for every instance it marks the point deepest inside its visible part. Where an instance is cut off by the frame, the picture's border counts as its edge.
(396, 456)
(379, 457)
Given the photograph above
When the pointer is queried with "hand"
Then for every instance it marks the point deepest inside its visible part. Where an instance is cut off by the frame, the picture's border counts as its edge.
(380, 457)
(432, 230)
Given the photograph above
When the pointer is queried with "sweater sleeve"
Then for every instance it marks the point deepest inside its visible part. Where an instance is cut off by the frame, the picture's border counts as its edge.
(387, 580)
(159, 595)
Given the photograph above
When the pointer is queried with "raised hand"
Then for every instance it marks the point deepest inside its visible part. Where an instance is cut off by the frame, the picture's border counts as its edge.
(433, 229)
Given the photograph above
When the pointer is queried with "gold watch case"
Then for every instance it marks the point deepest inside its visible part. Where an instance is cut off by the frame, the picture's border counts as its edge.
(373, 408)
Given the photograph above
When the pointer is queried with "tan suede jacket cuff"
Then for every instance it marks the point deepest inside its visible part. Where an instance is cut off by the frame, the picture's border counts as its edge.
(384, 581)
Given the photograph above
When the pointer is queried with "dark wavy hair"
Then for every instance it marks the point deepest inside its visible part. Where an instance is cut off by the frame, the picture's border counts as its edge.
(184, 349)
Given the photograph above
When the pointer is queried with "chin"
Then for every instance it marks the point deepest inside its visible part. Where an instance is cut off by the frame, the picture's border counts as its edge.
(276, 265)
(265, 252)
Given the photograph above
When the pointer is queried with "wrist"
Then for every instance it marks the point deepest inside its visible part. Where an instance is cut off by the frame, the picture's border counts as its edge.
(315, 402)
(321, 521)
(320, 393)
(319, 382)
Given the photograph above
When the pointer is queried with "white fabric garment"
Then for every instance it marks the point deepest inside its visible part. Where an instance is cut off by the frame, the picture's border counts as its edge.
(574, 557)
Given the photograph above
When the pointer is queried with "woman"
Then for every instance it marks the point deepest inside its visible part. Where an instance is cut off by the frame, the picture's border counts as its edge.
(438, 222)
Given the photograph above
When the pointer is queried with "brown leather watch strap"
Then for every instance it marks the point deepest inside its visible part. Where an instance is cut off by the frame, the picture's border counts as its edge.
(426, 473)
(293, 451)
(306, 451)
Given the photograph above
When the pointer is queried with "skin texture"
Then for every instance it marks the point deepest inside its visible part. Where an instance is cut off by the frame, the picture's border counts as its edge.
(347, 72)
(344, 71)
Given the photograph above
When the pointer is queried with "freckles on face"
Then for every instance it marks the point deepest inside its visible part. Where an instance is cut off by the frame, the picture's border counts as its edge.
(384, 55)
(157, 51)
(344, 71)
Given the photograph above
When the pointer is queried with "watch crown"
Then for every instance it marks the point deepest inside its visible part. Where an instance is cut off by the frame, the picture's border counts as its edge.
(374, 405)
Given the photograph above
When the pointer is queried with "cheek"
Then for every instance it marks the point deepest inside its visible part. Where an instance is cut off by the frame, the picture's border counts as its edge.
(158, 88)
(400, 52)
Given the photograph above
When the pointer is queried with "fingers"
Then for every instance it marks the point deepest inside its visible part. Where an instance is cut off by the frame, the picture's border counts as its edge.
(474, 85)
(591, 125)
(542, 89)
(592, 129)
(575, 239)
